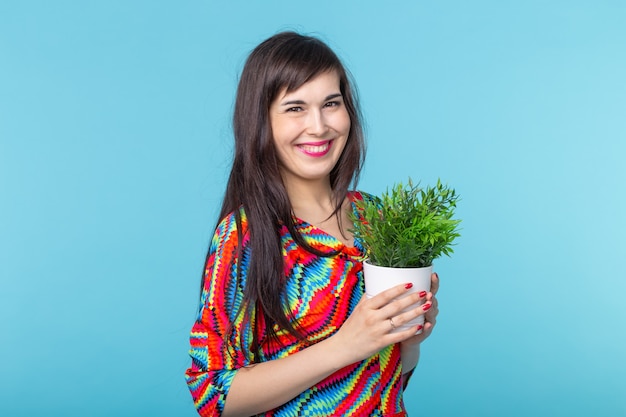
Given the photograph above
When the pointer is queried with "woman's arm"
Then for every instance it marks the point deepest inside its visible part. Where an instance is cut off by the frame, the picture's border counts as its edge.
(267, 385)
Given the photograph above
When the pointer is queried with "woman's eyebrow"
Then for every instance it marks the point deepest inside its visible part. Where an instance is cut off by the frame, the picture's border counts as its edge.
(300, 102)
(332, 96)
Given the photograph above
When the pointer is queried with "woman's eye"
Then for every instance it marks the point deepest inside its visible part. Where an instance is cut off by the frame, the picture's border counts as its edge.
(332, 104)
(294, 109)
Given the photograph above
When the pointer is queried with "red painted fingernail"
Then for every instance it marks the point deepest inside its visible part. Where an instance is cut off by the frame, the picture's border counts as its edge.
(419, 327)
(426, 306)
(437, 275)
(408, 286)
(423, 294)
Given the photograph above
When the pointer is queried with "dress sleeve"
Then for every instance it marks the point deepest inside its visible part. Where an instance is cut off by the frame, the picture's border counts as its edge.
(215, 362)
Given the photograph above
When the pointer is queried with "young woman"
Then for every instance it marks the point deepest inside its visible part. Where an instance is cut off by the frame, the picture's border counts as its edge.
(283, 327)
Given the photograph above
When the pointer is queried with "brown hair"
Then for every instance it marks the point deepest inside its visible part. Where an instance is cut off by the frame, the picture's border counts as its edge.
(285, 61)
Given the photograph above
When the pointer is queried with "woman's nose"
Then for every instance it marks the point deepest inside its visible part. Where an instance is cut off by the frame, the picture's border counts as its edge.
(317, 123)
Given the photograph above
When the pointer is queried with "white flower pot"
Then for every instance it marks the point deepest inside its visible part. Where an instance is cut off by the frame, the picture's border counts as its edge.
(380, 278)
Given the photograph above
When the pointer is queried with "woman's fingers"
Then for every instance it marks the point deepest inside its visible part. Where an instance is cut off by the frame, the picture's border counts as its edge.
(431, 315)
(406, 300)
(402, 335)
(410, 312)
(384, 298)
(419, 338)
(434, 283)
(394, 293)
(401, 307)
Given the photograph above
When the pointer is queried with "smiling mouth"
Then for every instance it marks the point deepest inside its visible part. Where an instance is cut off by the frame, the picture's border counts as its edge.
(318, 149)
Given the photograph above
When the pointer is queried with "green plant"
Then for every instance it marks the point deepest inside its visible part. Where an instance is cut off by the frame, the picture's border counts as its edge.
(407, 227)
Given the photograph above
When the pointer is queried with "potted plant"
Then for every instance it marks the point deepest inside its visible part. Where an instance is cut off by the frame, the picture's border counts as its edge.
(403, 231)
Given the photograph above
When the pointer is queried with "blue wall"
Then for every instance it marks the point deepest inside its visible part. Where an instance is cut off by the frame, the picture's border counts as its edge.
(115, 144)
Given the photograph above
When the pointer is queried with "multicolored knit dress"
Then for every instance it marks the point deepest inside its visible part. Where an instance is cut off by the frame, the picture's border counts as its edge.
(321, 293)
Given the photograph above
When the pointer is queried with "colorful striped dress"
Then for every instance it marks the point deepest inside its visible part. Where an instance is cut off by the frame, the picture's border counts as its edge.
(321, 293)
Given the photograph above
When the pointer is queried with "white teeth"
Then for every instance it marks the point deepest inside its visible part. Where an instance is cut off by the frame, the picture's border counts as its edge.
(315, 149)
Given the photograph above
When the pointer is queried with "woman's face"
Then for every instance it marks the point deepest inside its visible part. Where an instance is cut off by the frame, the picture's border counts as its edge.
(310, 127)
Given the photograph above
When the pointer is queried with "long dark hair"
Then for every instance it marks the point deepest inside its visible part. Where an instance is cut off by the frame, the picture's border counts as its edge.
(285, 61)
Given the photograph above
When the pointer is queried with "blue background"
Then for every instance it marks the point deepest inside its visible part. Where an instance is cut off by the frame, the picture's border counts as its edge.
(115, 144)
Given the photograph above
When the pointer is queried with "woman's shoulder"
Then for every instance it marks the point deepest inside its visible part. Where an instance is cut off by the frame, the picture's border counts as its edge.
(234, 216)
(358, 195)
(234, 223)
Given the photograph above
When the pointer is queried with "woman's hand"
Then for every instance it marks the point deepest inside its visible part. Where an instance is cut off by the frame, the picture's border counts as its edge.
(369, 327)
(411, 346)
(430, 318)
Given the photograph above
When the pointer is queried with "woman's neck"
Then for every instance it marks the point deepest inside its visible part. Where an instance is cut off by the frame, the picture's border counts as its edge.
(311, 195)
(314, 203)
